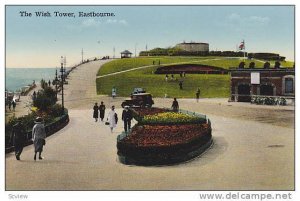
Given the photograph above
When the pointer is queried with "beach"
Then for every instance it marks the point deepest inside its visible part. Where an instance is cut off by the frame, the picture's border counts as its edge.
(253, 144)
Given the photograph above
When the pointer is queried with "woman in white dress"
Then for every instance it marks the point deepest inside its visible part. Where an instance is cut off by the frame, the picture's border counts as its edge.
(112, 118)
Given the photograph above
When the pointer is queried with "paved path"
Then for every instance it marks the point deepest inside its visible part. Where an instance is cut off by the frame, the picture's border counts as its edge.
(246, 154)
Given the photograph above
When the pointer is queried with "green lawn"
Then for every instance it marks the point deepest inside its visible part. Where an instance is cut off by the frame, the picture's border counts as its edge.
(210, 85)
(125, 64)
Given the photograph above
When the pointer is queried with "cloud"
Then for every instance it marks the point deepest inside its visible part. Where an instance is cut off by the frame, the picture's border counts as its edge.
(115, 21)
(91, 23)
(237, 19)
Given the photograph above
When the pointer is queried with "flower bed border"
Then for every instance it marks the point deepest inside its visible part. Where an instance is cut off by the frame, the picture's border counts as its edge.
(50, 130)
(164, 155)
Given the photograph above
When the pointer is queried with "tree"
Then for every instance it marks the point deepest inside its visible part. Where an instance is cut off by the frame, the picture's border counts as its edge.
(45, 99)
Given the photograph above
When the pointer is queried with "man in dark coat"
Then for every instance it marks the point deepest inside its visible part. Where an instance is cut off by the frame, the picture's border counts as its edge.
(175, 105)
(102, 110)
(127, 117)
(18, 138)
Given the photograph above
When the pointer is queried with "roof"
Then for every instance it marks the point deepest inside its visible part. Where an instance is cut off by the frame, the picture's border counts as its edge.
(126, 52)
(192, 43)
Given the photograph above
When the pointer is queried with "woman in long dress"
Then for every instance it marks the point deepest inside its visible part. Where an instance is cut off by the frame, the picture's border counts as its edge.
(95, 113)
(38, 137)
(112, 118)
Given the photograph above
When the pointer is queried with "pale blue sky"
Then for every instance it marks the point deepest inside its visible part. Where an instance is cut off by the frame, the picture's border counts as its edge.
(40, 41)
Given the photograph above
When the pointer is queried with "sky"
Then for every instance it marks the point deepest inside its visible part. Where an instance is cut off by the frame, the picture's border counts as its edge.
(41, 41)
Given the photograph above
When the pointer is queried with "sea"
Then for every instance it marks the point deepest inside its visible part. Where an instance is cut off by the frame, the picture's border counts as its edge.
(15, 78)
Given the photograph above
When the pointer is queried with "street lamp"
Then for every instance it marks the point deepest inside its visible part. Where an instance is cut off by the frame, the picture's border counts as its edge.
(62, 81)
(56, 80)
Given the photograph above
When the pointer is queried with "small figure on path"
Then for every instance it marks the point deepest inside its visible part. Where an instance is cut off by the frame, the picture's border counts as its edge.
(158, 62)
(49, 83)
(114, 92)
(18, 138)
(14, 104)
(183, 74)
(127, 117)
(112, 118)
(9, 105)
(34, 95)
(38, 137)
(167, 77)
(153, 62)
(95, 113)
(180, 85)
(102, 110)
(172, 77)
(175, 105)
(198, 94)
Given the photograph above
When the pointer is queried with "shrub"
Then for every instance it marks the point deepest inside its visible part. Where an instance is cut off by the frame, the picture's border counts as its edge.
(45, 99)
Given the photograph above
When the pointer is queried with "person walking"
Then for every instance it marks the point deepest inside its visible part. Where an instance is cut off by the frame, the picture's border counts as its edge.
(112, 118)
(38, 137)
(9, 105)
(18, 138)
(127, 117)
(114, 92)
(180, 85)
(175, 105)
(102, 110)
(198, 94)
(166, 77)
(95, 113)
(14, 104)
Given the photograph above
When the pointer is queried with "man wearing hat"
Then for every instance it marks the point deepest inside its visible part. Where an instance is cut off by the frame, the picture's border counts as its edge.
(18, 138)
(127, 117)
(38, 137)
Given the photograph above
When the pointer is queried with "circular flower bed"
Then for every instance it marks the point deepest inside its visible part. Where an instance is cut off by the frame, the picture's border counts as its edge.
(162, 137)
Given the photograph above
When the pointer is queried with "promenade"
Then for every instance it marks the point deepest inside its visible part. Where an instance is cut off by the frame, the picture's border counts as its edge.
(253, 149)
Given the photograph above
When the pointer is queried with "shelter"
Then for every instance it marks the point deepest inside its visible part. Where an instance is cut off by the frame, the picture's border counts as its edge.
(126, 54)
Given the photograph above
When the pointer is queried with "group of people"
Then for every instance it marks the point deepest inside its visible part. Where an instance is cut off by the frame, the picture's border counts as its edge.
(99, 111)
(19, 138)
(13, 104)
(112, 117)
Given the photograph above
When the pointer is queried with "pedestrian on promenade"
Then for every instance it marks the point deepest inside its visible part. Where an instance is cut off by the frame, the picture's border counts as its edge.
(95, 113)
(167, 77)
(49, 83)
(18, 138)
(114, 92)
(112, 118)
(38, 137)
(102, 110)
(9, 105)
(180, 85)
(14, 104)
(153, 62)
(175, 105)
(172, 77)
(34, 95)
(127, 117)
(198, 94)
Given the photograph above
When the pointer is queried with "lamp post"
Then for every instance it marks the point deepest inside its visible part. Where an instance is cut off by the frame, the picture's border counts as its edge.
(56, 80)
(62, 82)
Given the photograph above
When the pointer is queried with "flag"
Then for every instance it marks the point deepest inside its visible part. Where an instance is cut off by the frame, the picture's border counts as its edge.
(242, 45)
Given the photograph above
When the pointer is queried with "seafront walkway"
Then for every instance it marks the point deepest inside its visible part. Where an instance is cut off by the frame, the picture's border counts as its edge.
(23, 106)
(247, 153)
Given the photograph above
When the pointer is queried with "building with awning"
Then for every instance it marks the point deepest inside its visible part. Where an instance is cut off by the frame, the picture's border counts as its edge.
(126, 54)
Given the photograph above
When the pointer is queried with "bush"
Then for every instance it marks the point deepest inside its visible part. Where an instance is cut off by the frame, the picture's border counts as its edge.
(45, 99)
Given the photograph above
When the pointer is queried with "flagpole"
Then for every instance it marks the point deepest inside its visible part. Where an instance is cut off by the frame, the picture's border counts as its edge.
(244, 51)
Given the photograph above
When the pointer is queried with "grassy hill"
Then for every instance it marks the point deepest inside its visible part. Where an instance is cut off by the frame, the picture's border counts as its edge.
(210, 85)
